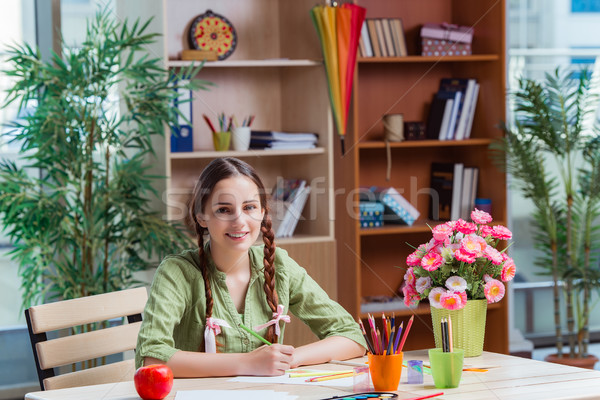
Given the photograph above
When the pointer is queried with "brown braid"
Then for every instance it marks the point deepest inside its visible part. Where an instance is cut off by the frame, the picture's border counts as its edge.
(269, 270)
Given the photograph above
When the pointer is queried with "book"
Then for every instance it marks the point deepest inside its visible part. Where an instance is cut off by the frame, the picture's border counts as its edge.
(472, 112)
(466, 205)
(456, 191)
(442, 179)
(434, 119)
(366, 40)
(450, 91)
(396, 208)
(446, 119)
(381, 37)
(398, 31)
(463, 119)
(387, 34)
(284, 136)
(286, 204)
(373, 35)
(182, 135)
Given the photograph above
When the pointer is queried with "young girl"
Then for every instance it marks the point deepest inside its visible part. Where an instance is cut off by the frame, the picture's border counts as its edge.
(200, 297)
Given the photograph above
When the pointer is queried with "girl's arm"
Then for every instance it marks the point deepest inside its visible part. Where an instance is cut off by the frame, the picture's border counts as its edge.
(331, 348)
(264, 361)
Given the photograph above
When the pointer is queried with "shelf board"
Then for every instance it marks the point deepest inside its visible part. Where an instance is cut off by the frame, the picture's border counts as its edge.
(429, 59)
(247, 153)
(378, 144)
(275, 62)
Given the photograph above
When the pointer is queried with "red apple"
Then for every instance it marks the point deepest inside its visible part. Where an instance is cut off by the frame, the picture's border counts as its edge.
(153, 382)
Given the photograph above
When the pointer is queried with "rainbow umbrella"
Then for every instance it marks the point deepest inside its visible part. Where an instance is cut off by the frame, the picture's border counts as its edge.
(339, 31)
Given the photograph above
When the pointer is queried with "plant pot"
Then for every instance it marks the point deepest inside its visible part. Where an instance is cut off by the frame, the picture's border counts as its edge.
(468, 326)
(587, 362)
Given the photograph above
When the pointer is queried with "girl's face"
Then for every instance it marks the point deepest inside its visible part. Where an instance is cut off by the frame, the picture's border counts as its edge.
(233, 215)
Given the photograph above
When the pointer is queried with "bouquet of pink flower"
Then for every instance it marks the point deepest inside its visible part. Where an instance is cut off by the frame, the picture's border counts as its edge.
(460, 262)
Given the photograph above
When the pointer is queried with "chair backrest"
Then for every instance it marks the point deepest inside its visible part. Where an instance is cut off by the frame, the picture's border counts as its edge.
(50, 354)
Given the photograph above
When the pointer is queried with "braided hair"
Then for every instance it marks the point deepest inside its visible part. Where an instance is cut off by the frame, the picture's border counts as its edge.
(215, 171)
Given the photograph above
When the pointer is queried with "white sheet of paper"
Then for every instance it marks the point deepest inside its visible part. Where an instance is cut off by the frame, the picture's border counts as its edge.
(286, 380)
(233, 395)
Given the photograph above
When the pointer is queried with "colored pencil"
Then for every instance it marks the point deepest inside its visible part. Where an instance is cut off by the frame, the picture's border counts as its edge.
(410, 321)
(428, 396)
(390, 342)
(256, 335)
(210, 125)
(348, 363)
(450, 334)
(369, 345)
(398, 334)
(330, 377)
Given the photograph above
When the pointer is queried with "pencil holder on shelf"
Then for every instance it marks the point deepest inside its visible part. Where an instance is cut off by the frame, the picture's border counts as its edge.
(221, 140)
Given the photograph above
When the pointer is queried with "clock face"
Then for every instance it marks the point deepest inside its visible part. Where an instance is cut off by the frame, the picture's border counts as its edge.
(213, 32)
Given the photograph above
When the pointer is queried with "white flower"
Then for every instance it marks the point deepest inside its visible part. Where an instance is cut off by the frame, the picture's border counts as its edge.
(434, 297)
(423, 283)
(456, 283)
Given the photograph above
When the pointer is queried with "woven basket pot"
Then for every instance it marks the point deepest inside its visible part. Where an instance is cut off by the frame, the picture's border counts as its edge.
(468, 326)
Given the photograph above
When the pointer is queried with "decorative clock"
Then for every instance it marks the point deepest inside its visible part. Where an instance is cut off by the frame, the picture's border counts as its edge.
(213, 32)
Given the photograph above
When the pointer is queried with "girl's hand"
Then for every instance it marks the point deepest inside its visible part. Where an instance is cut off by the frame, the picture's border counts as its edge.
(269, 360)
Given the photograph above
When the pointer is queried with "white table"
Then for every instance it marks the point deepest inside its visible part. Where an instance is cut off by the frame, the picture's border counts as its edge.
(514, 378)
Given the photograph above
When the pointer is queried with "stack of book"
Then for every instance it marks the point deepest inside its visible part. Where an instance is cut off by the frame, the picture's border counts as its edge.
(454, 189)
(453, 109)
(265, 140)
(396, 208)
(382, 37)
(287, 202)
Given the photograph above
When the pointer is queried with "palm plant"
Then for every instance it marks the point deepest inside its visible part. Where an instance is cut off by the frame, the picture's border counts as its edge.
(83, 224)
(553, 153)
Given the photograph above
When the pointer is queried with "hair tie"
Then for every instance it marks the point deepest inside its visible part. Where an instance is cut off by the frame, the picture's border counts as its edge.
(277, 316)
(212, 329)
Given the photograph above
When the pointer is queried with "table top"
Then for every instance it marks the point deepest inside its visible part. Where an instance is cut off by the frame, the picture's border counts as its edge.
(511, 378)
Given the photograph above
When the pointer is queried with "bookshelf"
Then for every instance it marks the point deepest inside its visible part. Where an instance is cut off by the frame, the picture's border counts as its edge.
(275, 73)
(368, 259)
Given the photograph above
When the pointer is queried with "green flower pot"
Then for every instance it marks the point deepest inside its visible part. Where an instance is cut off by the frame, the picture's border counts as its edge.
(468, 326)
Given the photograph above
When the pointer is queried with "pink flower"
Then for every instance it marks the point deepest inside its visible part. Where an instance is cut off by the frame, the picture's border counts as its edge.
(411, 297)
(423, 283)
(441, 232)
(463, 297)
(501, 232)
(413, 259)
(480, 217)
(409, 277)
(463, 256)
(431, 261)
(487, 278)
(493, 255)
(451, 300)
(434, 297)
(508, 270)
(473, 244)
(494, 291)
(465, 227)
(485, 231)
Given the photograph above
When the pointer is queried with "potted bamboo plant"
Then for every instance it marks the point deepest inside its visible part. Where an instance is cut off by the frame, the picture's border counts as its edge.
(81, 224)
(553, 153)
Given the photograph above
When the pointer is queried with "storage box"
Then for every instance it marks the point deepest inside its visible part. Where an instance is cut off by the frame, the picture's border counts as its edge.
(371, 214)
(446, 40)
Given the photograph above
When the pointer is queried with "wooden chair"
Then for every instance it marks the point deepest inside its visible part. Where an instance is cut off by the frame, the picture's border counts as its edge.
(72, 349)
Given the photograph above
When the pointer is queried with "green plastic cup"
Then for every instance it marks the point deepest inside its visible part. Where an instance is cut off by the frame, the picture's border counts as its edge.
(446, 368)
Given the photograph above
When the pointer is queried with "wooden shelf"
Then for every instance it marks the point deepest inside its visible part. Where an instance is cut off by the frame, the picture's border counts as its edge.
(249, 153)
(373, 259)
(429, 59)
(270, 63)
(424, 143)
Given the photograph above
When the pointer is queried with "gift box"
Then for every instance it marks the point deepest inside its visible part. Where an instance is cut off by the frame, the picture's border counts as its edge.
(371, 214)
(446, 40)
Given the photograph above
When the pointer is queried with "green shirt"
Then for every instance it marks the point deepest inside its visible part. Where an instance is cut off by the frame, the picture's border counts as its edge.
(175, 314)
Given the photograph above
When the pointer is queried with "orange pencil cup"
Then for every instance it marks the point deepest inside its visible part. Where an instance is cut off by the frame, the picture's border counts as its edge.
(385, 371)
